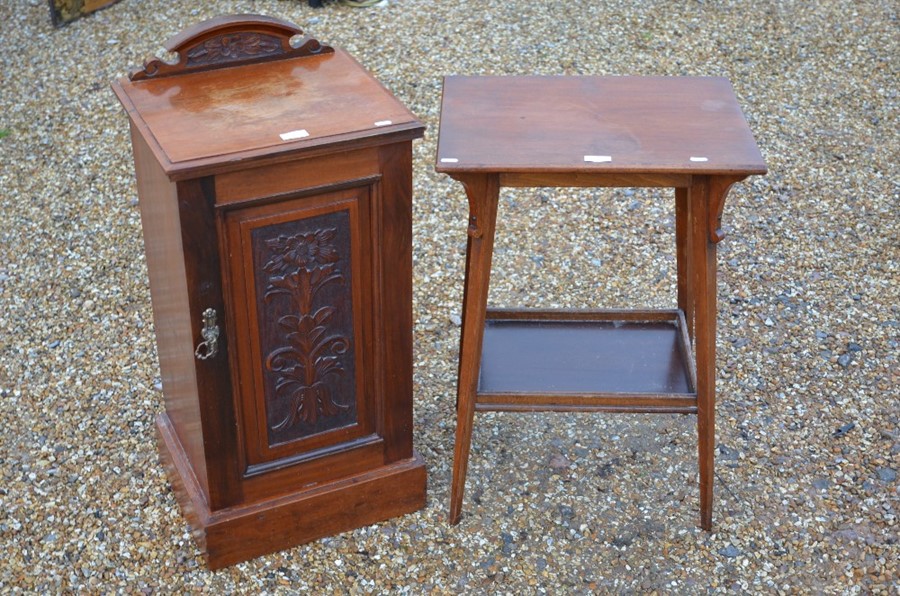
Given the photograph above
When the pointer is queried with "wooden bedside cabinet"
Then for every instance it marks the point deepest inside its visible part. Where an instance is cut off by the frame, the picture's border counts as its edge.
(275, 185)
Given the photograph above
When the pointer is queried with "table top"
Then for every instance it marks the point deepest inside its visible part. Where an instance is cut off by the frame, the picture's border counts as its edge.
(263, 108)
(597, 124)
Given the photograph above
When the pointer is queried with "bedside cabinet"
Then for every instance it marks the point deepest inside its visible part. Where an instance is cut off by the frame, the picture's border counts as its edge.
(275, 184)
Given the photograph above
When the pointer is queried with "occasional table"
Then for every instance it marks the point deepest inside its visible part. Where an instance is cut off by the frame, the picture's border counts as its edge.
(687, 133)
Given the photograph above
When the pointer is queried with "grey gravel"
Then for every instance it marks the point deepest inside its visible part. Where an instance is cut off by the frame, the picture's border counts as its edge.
(821, 483)
(886, 474)
(809, 269)
(730, 552)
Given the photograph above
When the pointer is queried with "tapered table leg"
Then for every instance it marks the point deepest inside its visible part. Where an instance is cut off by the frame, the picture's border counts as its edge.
(683, 257)
(705, 202)
(703, 264)
(483, 192)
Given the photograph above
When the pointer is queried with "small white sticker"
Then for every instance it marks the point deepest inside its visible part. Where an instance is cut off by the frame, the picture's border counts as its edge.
(598, 158)
(383, 123)
(449, 160)
(699, 159)
(294, 135)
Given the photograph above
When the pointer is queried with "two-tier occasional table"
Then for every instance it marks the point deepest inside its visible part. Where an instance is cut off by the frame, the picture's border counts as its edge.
(687, 133)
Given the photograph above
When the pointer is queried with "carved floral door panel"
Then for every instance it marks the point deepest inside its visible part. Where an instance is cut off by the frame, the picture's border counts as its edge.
(302, 304)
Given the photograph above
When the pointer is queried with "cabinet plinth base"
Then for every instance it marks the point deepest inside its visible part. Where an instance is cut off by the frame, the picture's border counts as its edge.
(235, 534)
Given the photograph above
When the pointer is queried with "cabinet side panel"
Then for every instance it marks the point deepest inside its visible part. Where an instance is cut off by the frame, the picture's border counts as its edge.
(394, 275)
(168, 290)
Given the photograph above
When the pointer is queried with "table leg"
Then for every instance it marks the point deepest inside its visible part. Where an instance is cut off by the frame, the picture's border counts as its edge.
(483, 192)
(703, 264)
(682, 253)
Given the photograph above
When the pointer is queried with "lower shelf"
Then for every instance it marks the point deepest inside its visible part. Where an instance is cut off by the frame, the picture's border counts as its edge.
(569, 360)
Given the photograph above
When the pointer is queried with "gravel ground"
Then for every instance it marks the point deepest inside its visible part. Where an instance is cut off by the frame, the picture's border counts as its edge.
(808, 432)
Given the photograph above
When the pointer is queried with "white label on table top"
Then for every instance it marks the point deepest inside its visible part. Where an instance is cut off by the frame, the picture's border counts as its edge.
(383, 123)
(449, 160)
(598, 158)
(294, 135)
(699, 159)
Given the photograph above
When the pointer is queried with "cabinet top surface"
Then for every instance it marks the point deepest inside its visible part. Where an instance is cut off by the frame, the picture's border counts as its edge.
(269, 107)
(690, 125)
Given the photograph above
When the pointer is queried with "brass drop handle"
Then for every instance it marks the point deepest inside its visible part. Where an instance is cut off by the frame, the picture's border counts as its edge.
(210, 333)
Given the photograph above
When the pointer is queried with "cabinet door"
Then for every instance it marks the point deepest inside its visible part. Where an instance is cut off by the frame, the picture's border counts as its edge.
(303, 304)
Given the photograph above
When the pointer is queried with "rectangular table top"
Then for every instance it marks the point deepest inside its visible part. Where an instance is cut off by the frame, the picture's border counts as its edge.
(597, 124)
